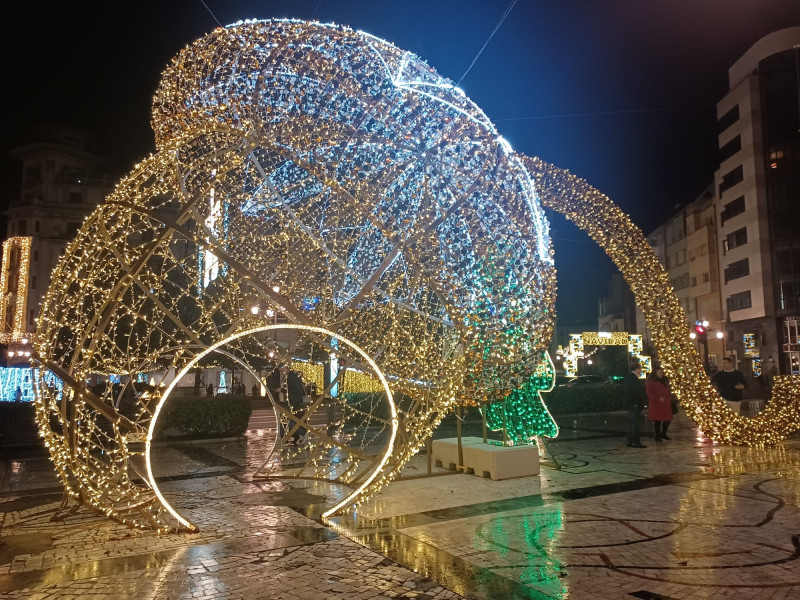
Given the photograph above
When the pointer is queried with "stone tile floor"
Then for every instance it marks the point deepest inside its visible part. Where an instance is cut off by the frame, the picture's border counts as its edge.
(681, 519)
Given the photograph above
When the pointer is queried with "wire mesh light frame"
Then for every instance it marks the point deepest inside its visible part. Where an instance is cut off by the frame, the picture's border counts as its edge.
(328, 176)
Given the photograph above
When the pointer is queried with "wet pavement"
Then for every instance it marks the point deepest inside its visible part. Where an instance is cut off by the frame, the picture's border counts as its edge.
(684, 518)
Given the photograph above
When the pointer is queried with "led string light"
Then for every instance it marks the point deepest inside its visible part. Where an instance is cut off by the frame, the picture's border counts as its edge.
(19, 295)
(355, 191)
(375, 470)
(602, 338)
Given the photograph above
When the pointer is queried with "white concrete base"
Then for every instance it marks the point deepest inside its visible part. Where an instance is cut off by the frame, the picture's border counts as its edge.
(445, 451)
(487, 460)
(502, 462)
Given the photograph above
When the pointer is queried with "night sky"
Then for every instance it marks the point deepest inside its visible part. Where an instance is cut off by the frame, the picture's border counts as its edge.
(620, 92)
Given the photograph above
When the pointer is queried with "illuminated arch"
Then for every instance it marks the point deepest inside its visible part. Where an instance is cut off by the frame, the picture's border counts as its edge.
(625, 244)
(603, 338)
(350, 498)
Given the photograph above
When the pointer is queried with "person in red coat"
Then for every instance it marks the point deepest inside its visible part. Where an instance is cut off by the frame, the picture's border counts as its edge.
(659, 406)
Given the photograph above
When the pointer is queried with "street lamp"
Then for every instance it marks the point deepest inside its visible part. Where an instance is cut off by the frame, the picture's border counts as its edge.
(700, 333)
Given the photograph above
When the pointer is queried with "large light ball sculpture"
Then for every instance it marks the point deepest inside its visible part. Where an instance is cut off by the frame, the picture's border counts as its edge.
(337, 181)
(340, 183)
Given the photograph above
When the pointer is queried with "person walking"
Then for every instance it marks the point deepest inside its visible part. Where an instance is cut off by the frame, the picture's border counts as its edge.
(294, 391)
(659, 405)
(634, 398)
(210, 390)
(729, 382)
(274, 385)
(773, 372)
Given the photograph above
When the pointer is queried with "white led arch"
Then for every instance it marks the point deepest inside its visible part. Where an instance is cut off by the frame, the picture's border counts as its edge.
(348, 500)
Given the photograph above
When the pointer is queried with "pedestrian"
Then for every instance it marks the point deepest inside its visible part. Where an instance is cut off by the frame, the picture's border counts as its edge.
(274, 386)
(256, 389)
(210, 390)
(18, 394)
(730, 383)
(634, 397)
(659, 404)
(773, 372)
(294, 392)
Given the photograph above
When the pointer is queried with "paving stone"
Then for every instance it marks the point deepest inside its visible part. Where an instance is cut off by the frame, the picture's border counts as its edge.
(684, 520)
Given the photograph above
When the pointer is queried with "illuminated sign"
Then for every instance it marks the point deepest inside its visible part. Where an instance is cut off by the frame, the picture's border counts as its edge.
(577, 341)
(750, 348)
(605, 338)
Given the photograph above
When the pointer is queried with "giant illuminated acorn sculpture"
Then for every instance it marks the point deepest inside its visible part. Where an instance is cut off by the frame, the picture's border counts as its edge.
(343, 185)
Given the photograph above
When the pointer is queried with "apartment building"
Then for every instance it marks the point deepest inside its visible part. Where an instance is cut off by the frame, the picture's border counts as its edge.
(617, 311)
(687, 247)
(61, 185)
(758, 207)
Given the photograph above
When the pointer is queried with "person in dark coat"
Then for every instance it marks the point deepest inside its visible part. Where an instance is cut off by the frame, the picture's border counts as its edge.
(730, 383)
(294, 392)
(659, 405)
(634, 398)
(274, 385)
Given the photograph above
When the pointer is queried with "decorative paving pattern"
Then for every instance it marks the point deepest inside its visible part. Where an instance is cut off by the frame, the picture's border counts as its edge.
(255, 544)
(683, 519)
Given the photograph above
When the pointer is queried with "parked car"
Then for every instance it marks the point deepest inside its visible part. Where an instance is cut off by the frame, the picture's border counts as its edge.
(583, 379)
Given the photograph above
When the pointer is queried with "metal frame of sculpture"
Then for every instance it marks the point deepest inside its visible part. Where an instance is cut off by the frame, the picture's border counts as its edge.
(341, 182)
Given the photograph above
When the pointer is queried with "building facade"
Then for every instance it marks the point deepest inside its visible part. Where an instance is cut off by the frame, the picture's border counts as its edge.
(758, 209)
(687, 246)
(61, 185)
(617, 311)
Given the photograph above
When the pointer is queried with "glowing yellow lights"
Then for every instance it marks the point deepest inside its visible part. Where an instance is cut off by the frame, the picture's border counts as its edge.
(627, 247)
(353, 380)
(577, 341)
(604, 338)
(336, 200)
(14, 287)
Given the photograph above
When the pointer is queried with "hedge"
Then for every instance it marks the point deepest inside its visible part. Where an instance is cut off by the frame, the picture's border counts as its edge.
(587, 398)
(563, 400)
(180, 418)
(11, 411)
(200, 417)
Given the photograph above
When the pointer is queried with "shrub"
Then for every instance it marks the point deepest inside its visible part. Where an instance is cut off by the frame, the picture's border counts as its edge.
(17, 418)
(588, 398)
(203, 417)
